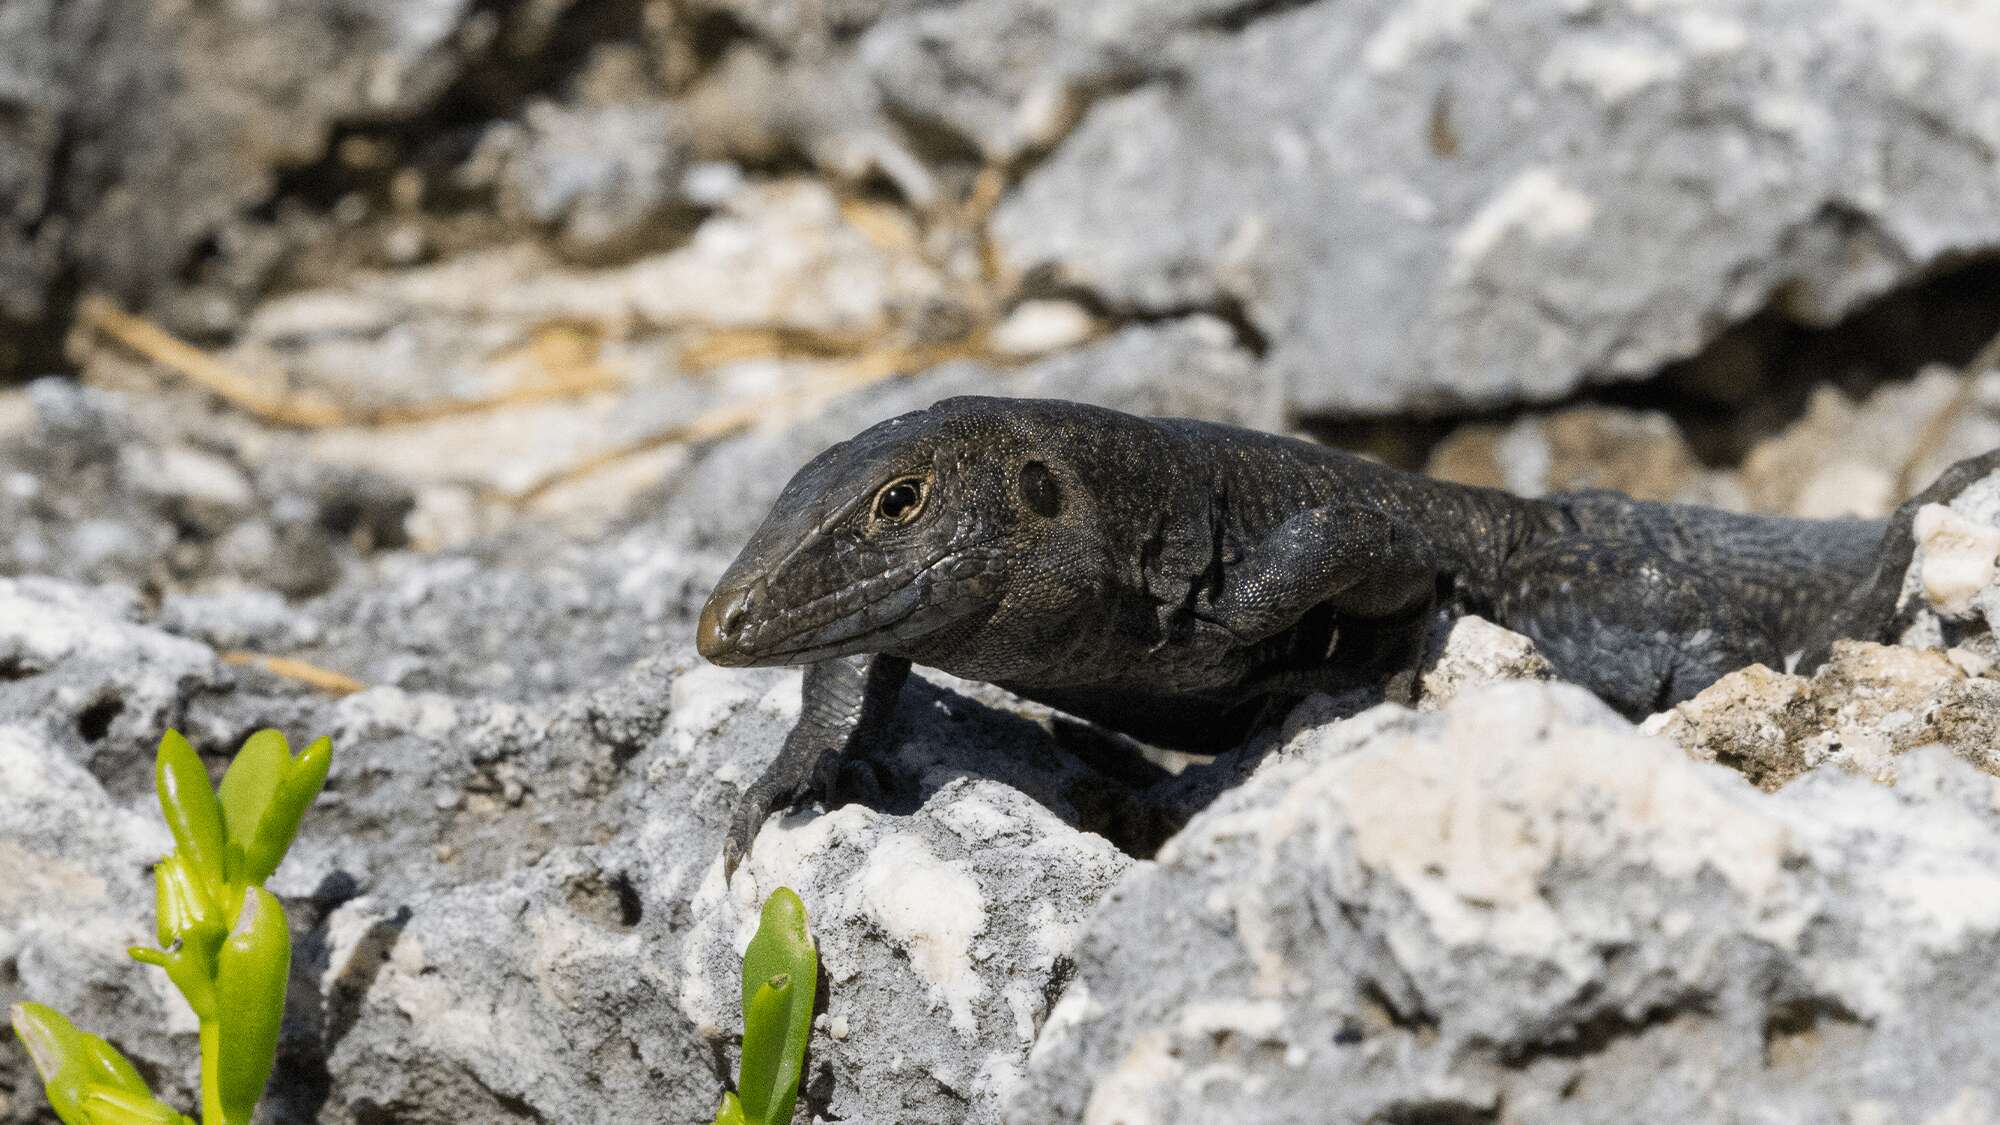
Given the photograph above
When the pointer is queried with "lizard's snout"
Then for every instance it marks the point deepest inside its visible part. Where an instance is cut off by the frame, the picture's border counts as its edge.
(718, 635)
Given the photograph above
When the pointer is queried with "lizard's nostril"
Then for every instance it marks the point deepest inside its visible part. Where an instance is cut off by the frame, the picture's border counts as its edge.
(723, 618)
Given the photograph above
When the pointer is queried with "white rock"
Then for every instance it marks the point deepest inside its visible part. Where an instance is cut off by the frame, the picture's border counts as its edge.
(1520, 901)
(1959, 558)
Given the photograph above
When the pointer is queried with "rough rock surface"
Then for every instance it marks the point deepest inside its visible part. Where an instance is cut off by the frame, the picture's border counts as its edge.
(1867, 706)
(1870, 703)
(1519, 909)
(1444, 204)
(109, 163)
(1471, 652)
(92, 490)
(77, 863)
(619, 958)
(1951, 584)
(551, 866)
(551, 299)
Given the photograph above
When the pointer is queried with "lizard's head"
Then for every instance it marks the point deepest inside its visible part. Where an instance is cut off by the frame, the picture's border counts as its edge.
(905, 536)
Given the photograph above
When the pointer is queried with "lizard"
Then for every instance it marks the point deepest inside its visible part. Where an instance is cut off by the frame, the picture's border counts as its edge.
(1180, 581)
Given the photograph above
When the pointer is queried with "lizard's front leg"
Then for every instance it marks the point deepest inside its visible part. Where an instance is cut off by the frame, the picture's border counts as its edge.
(843, 703)
(1355, 559)
(1358, 561)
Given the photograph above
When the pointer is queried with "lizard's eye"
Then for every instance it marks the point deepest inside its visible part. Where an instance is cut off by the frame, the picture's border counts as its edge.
(900, 500)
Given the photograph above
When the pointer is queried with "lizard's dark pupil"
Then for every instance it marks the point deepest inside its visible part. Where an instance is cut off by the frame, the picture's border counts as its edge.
(897, 500)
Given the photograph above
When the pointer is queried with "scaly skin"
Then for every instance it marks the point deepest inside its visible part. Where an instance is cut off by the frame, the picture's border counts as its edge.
(1177, 580)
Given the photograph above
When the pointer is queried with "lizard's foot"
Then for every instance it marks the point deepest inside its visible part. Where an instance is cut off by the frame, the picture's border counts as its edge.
(802, 771)
(832, 776)
(787, 782)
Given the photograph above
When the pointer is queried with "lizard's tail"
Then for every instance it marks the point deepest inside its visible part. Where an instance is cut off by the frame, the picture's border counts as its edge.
(1870, 613)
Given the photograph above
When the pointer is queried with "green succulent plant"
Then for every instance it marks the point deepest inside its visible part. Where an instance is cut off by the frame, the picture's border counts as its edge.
(223, 938)
(780, 976)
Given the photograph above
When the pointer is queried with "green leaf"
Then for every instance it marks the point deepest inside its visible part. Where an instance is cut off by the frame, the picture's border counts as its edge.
(87, 1081)
(761, 1076)
(190, 931)
(104, 1106)
(182, 903)
(780, 974)
(248, 786)
(251, 972)
(731, 1112)
(298, 785)
(189, 804)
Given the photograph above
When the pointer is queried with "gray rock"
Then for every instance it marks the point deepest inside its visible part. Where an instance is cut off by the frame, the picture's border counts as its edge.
(76, 665)
(1472, 652)
(78, 891)
(136, 129)
(607, 177)
(1006, 79)
(613, 967)
(90, 494)
(944, 936)
(1518, 909)
(1862, 710)
(538, 998)
(1417, 219)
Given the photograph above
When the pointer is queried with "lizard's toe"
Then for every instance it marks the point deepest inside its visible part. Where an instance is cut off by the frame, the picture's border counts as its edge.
(747, 819)
(826, 781)
(865, 781)
(744, 824)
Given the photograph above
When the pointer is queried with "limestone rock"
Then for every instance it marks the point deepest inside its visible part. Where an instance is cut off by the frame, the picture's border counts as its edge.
(137, 129)
(77, 892)
(613, 966)
(1416, 220)
(1473, 652)
(1519, 909)
(1868, 705)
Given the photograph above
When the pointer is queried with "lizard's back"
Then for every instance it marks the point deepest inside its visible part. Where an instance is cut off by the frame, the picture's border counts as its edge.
(1646, 602)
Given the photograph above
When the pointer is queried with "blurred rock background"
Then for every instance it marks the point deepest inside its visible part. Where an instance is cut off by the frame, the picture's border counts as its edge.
(408, 369)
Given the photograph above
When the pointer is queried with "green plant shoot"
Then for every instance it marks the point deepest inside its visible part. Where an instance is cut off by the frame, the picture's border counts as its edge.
(223, 938)
(87, 1081)
(780, 976)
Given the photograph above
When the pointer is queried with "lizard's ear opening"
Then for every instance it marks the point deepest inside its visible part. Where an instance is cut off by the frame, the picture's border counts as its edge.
(1040, 490)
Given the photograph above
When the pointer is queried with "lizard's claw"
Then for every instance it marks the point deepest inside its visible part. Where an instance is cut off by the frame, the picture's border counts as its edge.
(783, 786)
(747, 819)
(743, 825)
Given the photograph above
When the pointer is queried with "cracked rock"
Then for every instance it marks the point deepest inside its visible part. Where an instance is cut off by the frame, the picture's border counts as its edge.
(1472, 652)
(1860, 712)
(1437, 206)
(1521, 909)
(126, 145)
(945, 929)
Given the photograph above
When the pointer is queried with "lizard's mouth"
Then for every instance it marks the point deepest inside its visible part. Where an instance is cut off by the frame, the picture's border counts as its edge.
(739, 627)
